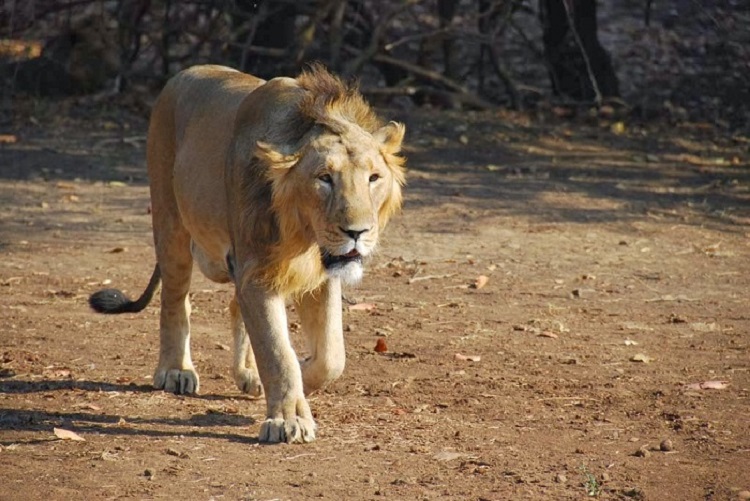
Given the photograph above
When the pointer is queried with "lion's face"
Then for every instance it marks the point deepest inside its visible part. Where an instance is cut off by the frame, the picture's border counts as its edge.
(342, 188)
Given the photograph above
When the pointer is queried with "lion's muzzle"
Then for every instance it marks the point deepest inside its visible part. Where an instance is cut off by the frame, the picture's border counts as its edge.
(331, 261)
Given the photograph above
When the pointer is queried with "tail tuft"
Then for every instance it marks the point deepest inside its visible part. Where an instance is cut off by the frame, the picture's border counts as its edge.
(111, 301)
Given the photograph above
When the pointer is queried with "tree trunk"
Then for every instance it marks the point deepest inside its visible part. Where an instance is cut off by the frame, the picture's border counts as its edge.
(579, 67)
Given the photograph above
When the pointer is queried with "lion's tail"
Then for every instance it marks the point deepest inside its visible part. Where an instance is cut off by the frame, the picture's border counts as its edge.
(113, 301)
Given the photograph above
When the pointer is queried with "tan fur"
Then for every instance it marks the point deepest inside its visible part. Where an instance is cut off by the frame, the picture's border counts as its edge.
(241, 167)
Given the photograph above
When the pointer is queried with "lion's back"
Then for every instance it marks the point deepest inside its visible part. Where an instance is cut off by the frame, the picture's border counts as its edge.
(190, 130)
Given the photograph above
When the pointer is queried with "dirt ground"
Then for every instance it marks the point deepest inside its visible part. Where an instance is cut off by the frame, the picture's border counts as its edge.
(606, 355)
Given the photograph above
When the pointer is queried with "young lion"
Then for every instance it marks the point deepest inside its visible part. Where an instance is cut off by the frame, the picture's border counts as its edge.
(282, 188)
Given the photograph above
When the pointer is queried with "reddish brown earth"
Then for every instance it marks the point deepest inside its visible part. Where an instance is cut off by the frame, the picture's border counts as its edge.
(618, 274)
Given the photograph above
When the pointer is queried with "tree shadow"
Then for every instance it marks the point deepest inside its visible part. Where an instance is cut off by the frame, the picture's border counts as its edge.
(531, 170)
(18, 386)
(21, 164)
(106, 424)
(498, 165)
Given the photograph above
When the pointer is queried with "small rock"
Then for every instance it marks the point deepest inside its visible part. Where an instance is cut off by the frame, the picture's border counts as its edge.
(176, 453)
(635, 492)
(666, 445)
(560, 478)
(606, 477)
(148, 474)
(643, 452)
(743, 495)
(380, 346)
(640, 357)
(583, 293)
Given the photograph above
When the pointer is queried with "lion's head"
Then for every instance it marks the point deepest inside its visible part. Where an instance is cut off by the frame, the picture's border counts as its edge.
(336, 187)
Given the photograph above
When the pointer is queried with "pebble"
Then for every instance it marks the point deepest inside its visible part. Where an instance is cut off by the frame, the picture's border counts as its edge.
(643, 452)
(666, 445)
(743, 495)
(560, 478)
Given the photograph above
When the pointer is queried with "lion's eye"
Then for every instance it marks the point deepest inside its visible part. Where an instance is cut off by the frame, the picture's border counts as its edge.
(374, 177)
(326, 178)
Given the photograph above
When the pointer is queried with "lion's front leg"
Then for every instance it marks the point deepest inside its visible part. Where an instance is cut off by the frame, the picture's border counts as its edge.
(244, 368)
(288, 416)
(320, 315)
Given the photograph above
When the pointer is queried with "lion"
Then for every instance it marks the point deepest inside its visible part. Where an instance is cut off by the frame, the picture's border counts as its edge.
(281, 187)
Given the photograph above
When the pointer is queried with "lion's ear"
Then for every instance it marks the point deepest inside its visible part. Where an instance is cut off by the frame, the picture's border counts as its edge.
(390, 136)
(274, 158)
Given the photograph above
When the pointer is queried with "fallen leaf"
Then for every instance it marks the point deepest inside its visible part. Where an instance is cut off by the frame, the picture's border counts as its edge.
(108, 456)
(670, 297)
(447, 456)
(63, 434)
(640, 357)
(636, 326)
(362, 307)
(57, 373)
(65, 186)
(617, 128)
(480, 282)
(380, 346)
(707, 385)
(116, 250)
(467, 358)
(704, 326)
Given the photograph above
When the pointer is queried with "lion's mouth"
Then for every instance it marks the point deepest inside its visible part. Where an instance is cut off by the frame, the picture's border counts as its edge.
(331, 261)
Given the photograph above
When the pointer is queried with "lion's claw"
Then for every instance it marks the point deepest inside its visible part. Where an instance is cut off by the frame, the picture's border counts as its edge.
(182, 382)
(292, 431)
(248, 382)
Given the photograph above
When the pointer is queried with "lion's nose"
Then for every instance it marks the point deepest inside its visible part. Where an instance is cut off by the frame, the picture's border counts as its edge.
(354, 233)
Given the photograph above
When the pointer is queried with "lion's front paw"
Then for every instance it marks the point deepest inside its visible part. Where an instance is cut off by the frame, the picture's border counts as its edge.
(248, 381)
(183, 382)
(297, 430)
(318, 373)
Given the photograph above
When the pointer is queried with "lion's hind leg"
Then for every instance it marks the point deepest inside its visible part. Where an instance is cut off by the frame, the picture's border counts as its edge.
(244, 368)
(175, 371)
